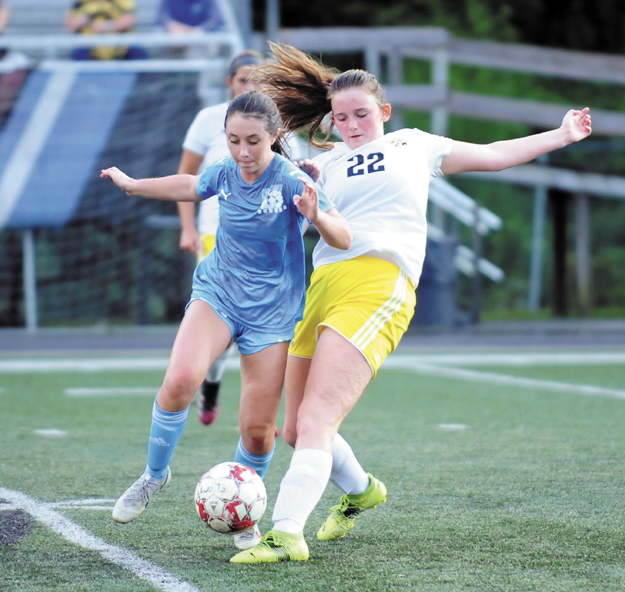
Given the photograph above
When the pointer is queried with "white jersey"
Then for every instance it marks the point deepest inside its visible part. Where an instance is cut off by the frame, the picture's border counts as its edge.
(381, 189)
(207, 136)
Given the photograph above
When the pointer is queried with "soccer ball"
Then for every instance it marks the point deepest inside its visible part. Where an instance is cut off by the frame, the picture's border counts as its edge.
(230, 498)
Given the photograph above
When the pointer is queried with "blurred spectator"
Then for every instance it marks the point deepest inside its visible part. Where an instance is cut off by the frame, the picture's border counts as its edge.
(4, 14)
(4, 19)
(13, 72)
(98, 17)
(185, 16)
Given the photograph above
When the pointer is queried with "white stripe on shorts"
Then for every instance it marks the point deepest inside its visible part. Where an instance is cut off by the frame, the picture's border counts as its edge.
(380, 317)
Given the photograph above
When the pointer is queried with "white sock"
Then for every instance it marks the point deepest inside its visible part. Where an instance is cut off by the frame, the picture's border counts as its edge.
(301, 489)
(347, 473)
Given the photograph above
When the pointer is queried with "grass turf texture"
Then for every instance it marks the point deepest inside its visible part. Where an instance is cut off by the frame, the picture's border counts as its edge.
(527, 497)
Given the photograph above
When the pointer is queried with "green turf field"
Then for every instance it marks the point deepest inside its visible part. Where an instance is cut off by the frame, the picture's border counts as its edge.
(506, 478)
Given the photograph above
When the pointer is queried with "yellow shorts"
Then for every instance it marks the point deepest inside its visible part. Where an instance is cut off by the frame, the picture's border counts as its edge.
(367, 300)
(206, 246)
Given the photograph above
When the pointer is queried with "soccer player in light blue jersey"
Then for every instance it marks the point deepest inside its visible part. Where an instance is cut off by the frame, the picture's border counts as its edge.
(249, 289)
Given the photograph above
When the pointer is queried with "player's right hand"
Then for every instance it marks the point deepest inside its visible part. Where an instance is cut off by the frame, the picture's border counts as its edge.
(190, 240)
(122, 180)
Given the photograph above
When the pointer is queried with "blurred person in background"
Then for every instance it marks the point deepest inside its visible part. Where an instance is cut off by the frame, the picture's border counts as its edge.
(4, 19)
(187, 16)
(101, 17)
(15, 68)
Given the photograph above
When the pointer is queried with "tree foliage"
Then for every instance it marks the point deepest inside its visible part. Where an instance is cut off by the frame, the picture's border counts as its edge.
(584, 25)
(588, 25)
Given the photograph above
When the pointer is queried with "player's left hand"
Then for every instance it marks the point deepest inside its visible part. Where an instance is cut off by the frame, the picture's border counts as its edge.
(577, 124)
(310, 168)
(308, 202)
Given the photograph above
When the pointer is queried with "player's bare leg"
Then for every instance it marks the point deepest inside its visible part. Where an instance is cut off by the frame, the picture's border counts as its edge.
(337, 376)
(295, 383)
(262, 379)
(201, 338)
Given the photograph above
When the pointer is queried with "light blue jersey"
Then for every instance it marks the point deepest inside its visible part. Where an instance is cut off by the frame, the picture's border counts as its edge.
(255, 276)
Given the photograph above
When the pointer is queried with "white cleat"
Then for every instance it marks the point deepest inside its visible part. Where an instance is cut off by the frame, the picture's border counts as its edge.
(135, 499)
(248, 539)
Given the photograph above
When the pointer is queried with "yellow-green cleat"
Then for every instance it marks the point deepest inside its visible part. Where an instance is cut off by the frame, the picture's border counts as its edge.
(275, 546)
(343, 516)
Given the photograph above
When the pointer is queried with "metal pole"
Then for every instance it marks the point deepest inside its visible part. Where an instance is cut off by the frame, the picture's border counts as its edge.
(144, 277)
(582, 248)
(538, 239)
(373, 61)
(30, 280)
(396, 78)
(440, 77)
(243, 12)
(559, 205)
(476, 280)
(272, 19)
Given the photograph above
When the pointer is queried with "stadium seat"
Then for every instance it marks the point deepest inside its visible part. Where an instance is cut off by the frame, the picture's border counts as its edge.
(51, 142)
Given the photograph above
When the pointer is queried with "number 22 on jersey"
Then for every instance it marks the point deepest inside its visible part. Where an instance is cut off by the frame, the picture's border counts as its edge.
(360, 167)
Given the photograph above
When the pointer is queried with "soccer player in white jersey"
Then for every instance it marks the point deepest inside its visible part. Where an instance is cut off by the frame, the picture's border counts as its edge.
(360, 300)
(204, 144)
(249, 289)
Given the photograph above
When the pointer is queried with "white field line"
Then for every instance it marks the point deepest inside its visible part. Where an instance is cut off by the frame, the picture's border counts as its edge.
(119, 391)
(453, 426)
(32, 366)
(510, 359)
(504, 379)
(51, 433)
(86, 504)
(28, 366)
(146, 570)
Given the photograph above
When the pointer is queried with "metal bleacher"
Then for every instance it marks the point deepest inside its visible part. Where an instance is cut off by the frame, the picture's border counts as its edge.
(70, 107)
(45, 17)
(67, 110)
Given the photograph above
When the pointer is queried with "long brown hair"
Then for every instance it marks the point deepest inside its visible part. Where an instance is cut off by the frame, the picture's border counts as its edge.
(303, 87)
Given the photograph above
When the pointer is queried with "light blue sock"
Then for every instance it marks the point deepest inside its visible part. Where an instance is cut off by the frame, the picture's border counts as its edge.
(166, 429)
(259, 463)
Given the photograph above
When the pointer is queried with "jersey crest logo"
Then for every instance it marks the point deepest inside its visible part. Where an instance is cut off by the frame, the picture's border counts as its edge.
(397, 142)
(272, 200)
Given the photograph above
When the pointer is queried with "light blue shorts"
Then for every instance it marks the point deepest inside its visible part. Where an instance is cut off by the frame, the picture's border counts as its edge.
(250, 340)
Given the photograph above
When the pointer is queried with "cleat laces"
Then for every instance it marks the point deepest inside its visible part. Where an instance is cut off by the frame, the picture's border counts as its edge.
(346, 508)
(276, 543)
(141, 491)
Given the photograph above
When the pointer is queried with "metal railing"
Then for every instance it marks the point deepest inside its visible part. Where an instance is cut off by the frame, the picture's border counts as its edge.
(51, 46)
(390, 45)
(385, 49)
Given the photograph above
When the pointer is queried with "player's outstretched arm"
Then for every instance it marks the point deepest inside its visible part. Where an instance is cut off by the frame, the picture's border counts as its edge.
(331, 225)
(172, 188)
(497, 156)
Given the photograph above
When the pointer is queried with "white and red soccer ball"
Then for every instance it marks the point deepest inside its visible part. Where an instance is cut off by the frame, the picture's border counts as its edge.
(230, 498)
